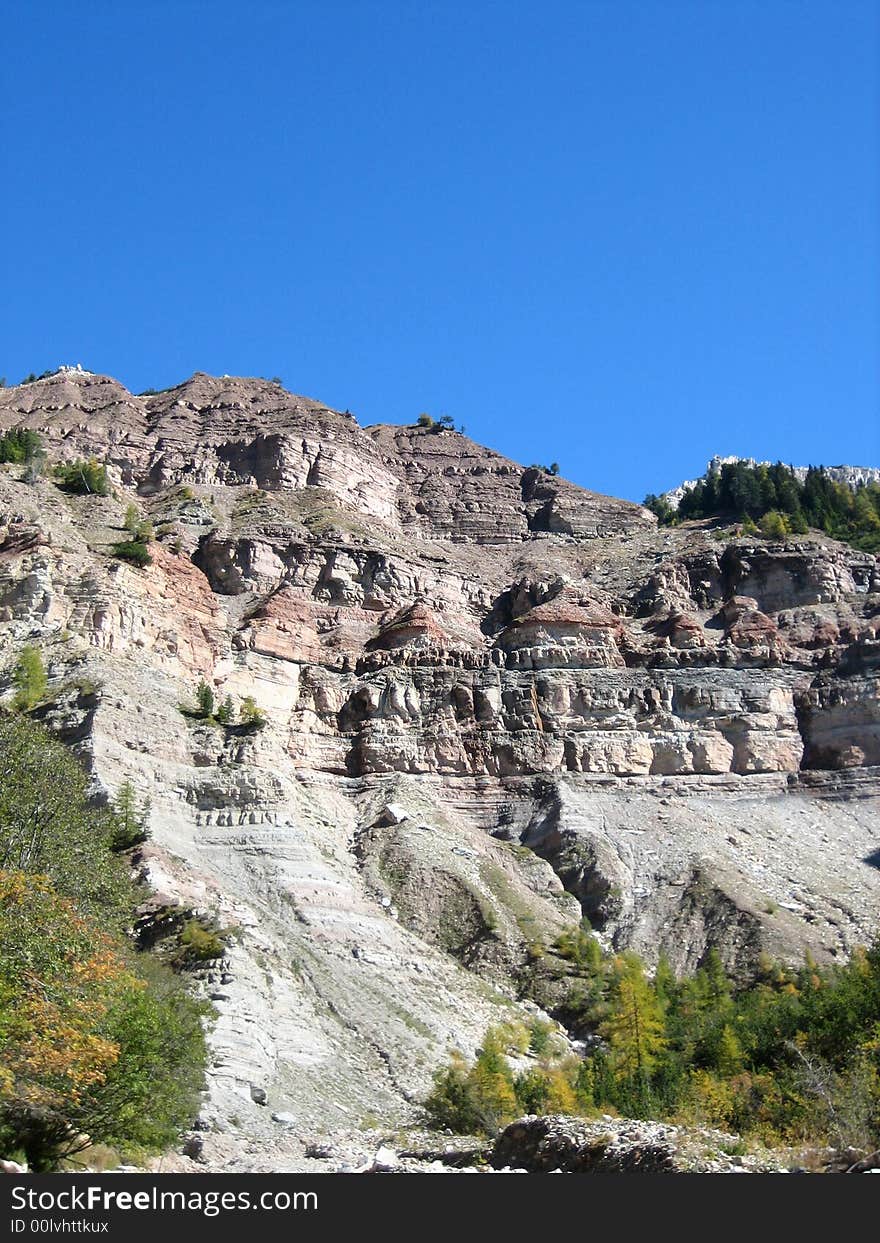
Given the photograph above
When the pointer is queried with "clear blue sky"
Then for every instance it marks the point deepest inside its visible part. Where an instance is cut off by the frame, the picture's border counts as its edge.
(620, 235)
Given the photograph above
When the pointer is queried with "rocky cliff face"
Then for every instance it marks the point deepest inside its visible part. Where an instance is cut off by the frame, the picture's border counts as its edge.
(494, 702)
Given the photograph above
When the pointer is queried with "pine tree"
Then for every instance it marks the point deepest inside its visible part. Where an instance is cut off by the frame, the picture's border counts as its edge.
(205, 699)
(717, 983)
(226, 711)
(132, 818)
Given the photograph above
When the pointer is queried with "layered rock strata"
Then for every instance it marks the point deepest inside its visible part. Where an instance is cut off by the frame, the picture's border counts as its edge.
(570, 711)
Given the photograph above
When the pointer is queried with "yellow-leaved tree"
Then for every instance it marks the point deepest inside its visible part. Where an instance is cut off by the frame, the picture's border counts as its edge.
(635, 1028)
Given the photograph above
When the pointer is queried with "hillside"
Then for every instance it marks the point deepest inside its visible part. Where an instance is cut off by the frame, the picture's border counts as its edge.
(493, 701)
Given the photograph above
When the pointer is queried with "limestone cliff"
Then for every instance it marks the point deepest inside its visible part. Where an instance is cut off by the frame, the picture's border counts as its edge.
(494, 701)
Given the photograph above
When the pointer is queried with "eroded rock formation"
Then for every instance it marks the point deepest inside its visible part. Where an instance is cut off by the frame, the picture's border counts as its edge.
(571, 710)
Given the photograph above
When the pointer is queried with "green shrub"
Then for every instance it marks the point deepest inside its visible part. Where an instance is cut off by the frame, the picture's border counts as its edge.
(84, 477)
(200, 942)
(540, 1037)
(450, 1104)
(132, 518)
(251, 714)
(435, 425)
(30, 679)
(134, 551)
(578, 945)
(774, 525)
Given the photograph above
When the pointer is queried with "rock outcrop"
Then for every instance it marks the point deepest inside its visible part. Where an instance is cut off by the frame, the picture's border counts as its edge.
(569, 710)
(557, 1144)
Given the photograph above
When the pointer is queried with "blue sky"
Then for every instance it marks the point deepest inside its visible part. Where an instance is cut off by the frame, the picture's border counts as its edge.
(623, 236)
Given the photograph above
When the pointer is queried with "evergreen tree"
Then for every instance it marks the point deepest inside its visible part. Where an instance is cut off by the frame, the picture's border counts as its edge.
(865, 514)
(205, 699)
(132, 818)
(665, 983)
(782, 503)
(20, 445)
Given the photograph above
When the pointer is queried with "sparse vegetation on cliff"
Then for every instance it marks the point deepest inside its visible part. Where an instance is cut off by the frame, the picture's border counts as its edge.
(200, 941)
(136, 548)
(445, 422)
(87, 477)
(250, 715)
(483, 1095)
(134, 551)
(132, 818)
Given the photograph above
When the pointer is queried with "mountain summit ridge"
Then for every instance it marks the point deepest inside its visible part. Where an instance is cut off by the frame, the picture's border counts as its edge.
(252, 432)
